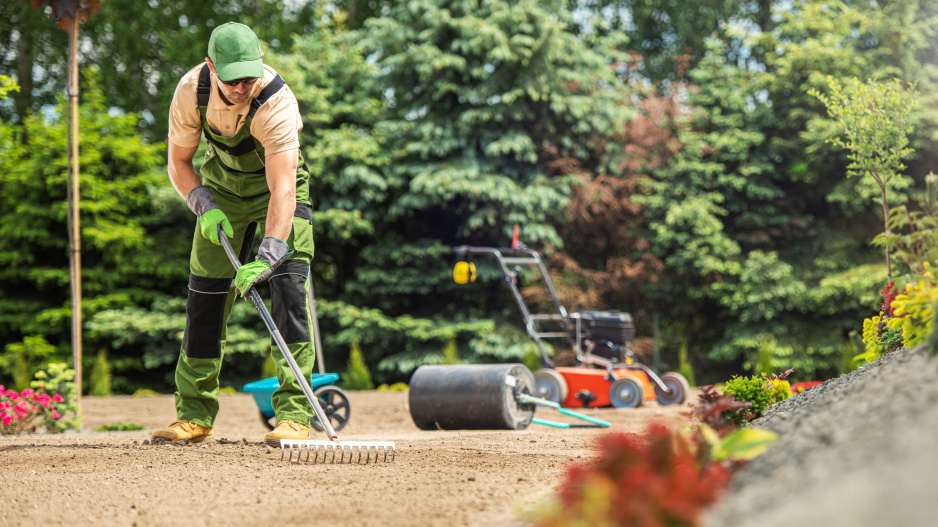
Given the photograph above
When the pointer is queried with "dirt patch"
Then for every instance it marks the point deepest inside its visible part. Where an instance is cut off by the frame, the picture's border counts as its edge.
(470, 478)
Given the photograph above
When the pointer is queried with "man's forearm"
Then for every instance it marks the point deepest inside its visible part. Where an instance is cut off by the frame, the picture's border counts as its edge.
(181, 172)
(281, 179)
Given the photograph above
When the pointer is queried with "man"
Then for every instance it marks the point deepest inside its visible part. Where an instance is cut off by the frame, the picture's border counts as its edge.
(253, 175)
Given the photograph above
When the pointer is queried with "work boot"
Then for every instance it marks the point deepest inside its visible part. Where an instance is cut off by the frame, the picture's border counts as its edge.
(187, 430)
(286, 430)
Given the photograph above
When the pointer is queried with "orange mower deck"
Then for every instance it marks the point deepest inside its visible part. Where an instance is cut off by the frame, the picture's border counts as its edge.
(595, 382)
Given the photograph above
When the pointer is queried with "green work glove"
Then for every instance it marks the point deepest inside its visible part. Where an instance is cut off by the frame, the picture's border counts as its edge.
(271, 254)
(202, 203)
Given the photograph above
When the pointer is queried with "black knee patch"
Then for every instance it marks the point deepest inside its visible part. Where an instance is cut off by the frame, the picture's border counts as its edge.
(288, 301)
(205, 317)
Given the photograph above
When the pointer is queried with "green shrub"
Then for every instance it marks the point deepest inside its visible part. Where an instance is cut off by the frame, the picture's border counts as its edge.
(145, 392)
(450, 355)
(751, 390)
(357, 376)
(101, 376)
(396, 387)
(684, 366)
(119, 426)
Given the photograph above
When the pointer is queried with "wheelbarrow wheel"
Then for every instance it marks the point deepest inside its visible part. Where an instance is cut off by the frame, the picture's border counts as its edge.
(550, 385)
(678, 388)
(268, 421)
(336, 406)
(626, 393)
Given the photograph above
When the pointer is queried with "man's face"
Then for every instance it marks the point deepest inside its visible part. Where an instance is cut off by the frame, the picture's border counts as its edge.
(237, 91)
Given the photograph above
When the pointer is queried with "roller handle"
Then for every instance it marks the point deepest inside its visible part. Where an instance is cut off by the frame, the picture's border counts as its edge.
(529, 399)
(281, 344)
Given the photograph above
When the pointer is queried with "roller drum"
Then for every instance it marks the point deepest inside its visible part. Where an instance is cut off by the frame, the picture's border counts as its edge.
(471, 397)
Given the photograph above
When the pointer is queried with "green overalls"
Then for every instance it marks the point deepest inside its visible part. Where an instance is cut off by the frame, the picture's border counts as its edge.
(234, 171)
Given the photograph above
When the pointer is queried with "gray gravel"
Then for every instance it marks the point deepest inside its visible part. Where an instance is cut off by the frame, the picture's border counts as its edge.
(858, 450)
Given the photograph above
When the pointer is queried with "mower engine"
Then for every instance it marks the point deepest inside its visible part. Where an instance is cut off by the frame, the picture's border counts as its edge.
(608, 334)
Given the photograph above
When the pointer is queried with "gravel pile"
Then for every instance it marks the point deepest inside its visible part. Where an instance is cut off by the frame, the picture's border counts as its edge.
(858, 450)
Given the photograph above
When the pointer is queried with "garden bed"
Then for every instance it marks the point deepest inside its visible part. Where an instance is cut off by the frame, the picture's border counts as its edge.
(439, 478)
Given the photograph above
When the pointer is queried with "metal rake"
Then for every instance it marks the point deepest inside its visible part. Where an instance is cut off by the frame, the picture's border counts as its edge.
(319, 451)
(333, 444)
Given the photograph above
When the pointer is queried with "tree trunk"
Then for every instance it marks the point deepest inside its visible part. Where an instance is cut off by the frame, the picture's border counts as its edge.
(882, 189)
(23, 99)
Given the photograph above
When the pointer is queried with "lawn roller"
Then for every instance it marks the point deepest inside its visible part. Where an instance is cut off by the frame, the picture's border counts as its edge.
(333, 446)
(481, 397)
(606, 373)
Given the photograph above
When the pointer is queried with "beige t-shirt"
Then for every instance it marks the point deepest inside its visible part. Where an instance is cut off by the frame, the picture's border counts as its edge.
(276, 124)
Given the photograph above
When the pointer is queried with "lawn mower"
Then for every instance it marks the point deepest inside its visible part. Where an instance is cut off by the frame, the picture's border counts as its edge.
(606, 373)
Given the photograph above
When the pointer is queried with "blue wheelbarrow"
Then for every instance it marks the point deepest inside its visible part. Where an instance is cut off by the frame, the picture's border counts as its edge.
(333, 400)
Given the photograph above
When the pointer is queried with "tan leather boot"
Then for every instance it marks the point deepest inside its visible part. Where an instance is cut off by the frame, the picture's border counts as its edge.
(187, 430)
(286, 430)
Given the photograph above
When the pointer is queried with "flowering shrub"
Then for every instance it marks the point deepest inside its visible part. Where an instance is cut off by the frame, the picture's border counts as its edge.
(881, 333)
(26, 411)
(58, 378)
(48, 405)
(638, 482)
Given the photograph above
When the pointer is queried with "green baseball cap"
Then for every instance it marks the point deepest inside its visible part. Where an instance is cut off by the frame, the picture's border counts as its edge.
(235, 52)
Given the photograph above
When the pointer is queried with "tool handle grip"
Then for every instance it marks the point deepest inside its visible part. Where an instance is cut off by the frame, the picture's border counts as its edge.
(281, 344)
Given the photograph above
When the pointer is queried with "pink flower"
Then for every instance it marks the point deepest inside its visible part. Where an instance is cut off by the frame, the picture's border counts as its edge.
(26, 393)
(19, 408)
(12, 394)
(57, 398)
(7, 419)
(4, 406)
(55, 415)
(2, 389)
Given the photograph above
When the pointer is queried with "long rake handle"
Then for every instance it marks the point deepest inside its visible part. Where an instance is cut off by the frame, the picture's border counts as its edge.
(278, 339)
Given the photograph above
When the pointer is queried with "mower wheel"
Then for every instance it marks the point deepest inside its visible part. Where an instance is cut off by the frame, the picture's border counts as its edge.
(335, 404)
(550, 385)
(626, 393)
(677, 386)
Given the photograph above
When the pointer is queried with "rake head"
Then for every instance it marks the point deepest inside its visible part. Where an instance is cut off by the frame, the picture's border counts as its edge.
(335, 452)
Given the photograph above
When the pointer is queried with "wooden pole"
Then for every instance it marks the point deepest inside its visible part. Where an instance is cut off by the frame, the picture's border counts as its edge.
(74, 261)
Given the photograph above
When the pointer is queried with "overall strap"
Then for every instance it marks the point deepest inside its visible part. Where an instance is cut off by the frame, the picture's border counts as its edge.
(205, 85)
(268, 92)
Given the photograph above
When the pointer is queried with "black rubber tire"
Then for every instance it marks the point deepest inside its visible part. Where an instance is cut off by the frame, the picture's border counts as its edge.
(626, 393)
(335, 404)
(550, 385)
(678, 386)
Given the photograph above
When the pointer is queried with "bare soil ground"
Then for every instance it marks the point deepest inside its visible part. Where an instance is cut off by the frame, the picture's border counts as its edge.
(470, 478)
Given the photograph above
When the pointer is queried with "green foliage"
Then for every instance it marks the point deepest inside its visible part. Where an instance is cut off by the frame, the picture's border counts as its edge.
(450, 355)
(396, 387)
(684, 366)
(144, 392)
(742, 444)
(357, 376)
(58, 378)
(120, 426)
(101, 376)
(755, 390)
(914, 313)
(875, 118)
(23, 359)
(6, 86)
